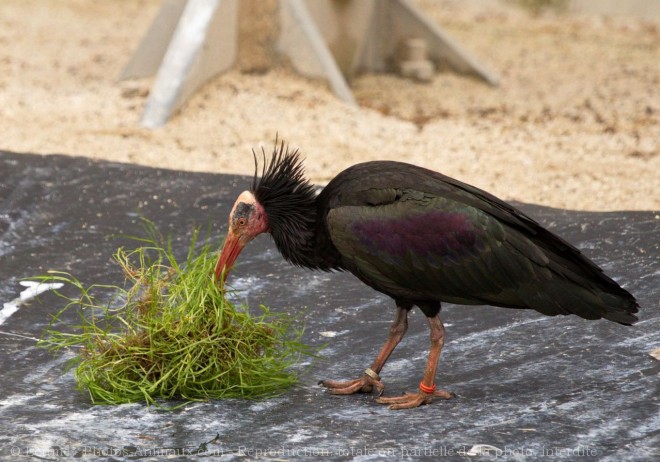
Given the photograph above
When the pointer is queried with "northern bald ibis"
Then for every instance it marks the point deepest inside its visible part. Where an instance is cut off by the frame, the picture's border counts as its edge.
(421, 238)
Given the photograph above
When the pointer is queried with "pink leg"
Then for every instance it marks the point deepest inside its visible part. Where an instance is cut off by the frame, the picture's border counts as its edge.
(370, 379)
(427, 387)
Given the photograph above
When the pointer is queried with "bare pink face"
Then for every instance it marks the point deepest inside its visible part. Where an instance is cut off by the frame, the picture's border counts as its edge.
(247, 220)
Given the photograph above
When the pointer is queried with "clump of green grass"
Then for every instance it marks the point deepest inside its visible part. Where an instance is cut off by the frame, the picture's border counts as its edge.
(171, 332)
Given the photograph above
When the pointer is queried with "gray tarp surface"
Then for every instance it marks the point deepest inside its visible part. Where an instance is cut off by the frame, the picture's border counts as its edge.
(528, 386)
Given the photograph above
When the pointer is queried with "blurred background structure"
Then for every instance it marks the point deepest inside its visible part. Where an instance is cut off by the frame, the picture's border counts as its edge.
(573, 123)
(191, 41)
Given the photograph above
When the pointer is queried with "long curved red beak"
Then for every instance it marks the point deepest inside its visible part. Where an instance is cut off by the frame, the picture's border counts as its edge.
(230, 251)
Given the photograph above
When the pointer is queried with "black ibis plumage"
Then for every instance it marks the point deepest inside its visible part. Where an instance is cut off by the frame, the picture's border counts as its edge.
(421, 238)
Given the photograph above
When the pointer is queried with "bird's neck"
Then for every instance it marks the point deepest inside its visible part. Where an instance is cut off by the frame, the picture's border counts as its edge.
(295, 220)
(301, 238)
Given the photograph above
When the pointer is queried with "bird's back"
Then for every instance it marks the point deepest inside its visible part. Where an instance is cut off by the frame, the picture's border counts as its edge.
(418, 235)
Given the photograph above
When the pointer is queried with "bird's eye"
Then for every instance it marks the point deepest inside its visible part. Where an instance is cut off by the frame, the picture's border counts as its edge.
(242, 222)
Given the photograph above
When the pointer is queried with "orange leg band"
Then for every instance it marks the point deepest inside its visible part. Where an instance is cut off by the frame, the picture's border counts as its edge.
(426, 389)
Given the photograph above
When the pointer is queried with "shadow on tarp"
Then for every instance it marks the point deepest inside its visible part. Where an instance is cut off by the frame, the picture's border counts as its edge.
(527, 385)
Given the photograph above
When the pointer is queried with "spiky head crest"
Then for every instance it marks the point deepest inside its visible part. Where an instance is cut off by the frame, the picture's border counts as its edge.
(288, 198)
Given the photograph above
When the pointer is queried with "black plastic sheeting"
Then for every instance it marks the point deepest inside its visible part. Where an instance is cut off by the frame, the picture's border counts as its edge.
(528, 386)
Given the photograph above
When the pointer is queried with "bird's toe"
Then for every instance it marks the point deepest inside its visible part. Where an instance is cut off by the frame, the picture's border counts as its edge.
(412, 400)
(405, 401)
(444, 394)
(352, 387)
(364, 384)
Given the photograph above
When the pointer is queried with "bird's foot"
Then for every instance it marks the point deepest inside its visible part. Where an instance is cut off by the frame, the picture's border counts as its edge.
(368, 383)
(411, 400)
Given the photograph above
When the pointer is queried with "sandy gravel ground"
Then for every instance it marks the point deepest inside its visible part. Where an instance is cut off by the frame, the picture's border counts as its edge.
(575, 122)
